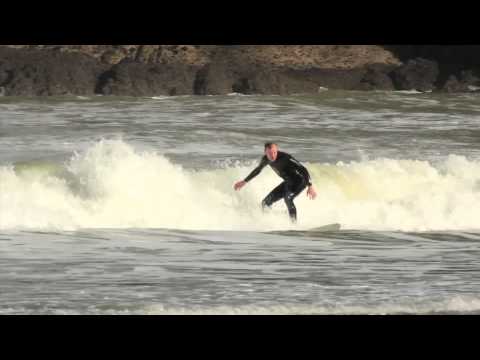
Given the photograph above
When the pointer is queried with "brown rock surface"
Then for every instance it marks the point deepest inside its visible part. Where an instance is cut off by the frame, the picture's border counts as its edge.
(144, 70)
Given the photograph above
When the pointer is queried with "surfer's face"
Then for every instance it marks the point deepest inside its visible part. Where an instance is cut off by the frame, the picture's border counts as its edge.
(272, 153)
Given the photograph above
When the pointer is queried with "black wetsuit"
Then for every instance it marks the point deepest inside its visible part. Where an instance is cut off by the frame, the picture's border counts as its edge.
(296, 178)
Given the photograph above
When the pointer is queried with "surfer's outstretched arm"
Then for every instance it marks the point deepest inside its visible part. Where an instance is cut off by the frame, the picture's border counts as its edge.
(238, 185)
(257, 170)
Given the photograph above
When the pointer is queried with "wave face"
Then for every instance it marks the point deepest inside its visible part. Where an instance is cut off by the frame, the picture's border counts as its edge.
(112, 185)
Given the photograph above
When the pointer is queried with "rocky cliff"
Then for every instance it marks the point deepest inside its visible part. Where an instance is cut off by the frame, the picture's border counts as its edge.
(148, 70)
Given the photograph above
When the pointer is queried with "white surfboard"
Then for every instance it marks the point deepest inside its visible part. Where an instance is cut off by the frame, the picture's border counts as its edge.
(308, 232)
(329, 227)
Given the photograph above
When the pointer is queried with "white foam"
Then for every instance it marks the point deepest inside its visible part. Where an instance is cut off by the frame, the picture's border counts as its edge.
(111, 185)
(412, 91)
(455, 304)
(160, 97)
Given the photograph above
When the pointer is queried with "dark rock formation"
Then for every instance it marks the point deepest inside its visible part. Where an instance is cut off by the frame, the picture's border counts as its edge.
(467, 81)
(465, 56)
(131, 78)
(458, 65)
(376, 78)
(218, 79)
(417, 74)
(148, 70)
(31, 72)
(453, 85)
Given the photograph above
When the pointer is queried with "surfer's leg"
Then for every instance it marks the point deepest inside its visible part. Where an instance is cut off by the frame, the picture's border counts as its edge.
(275, 195)
(292, 210)
(292, 191)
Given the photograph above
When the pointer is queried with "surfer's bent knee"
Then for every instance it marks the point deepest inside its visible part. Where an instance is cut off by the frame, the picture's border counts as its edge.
(266, 203)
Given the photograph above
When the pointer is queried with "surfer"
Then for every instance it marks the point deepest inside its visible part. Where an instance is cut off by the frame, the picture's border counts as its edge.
(295, 175)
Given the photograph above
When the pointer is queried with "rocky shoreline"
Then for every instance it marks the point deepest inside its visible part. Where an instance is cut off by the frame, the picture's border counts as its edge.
(150, 70)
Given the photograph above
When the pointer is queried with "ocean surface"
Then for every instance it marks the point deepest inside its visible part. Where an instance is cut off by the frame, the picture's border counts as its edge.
(126, 205)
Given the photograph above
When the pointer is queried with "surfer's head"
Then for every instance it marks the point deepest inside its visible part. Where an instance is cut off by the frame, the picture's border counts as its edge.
(271, 151)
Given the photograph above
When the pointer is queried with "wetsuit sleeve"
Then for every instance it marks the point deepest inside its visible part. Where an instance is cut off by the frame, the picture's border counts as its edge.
(302, 170)
(257, 170)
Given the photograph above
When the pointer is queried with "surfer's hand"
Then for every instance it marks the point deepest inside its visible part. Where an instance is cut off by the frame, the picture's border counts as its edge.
(311, 193)
(238, 185)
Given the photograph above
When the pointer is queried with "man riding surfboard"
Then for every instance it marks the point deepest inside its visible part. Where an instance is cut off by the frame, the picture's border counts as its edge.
(295, 175)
